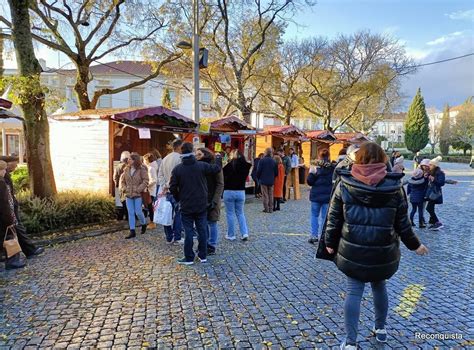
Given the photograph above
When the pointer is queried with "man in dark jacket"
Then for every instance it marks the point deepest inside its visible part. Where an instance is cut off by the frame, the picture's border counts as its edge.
(27, 245)
(266, 173)
(189, 186)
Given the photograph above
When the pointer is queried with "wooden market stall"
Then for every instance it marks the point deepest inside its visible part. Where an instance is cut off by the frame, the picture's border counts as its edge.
(344, 140)
(286, 137)
(317, 140)
(231, 131)
(86, 145)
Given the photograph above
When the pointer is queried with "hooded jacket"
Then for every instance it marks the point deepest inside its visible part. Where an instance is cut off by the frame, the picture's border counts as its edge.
(188, 183)
(321, 182)
(365, 224)
(215, 187)
(416, 189)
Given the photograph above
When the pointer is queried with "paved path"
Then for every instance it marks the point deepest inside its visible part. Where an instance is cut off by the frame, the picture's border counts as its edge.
(266, 293)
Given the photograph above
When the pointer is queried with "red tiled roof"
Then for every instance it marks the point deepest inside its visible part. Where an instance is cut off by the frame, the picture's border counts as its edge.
(119, 68)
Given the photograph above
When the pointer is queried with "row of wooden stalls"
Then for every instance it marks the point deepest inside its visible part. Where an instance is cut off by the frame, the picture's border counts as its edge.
(86, 145)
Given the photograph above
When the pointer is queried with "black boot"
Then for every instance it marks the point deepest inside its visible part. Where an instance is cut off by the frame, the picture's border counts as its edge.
(17, 261)
(131, 235)
(143, 229)
(421, 224)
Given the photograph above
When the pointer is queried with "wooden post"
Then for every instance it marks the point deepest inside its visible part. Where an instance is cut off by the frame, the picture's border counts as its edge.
(294, 181)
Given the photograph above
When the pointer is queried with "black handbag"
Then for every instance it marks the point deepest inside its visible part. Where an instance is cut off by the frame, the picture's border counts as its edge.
(322, 253)
(433, 193)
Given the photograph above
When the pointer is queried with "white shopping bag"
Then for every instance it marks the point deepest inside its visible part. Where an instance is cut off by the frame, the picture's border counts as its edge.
(163, 212)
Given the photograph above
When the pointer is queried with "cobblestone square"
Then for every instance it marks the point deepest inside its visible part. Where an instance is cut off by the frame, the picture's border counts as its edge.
(269, 292)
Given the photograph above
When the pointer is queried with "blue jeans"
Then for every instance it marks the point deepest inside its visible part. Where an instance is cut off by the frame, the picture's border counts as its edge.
(234, 205)
(198, 220)
(355, 290)
(318, 214)
(134, 207)
(414, 208)
(174, 232)
(213, 232)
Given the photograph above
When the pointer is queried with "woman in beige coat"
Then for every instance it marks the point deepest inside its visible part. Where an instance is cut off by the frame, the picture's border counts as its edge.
(133, 182)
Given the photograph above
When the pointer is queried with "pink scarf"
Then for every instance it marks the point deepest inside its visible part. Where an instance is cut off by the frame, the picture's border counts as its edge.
(370, 174)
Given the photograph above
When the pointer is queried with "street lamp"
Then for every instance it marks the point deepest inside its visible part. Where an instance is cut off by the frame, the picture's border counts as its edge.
(184, 45)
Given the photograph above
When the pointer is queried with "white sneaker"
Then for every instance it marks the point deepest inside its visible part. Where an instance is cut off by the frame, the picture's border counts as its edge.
(179, 241)
(245, 237)
(230, 238)
(348, 347)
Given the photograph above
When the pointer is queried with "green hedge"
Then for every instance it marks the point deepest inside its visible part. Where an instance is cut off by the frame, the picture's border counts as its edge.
(65, 210)
(20, 179)
(454, 158)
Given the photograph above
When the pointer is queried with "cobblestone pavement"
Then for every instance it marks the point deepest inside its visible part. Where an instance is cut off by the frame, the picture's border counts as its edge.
(269, 292)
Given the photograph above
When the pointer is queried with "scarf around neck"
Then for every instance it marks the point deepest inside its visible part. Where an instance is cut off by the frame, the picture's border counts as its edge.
(369, 174)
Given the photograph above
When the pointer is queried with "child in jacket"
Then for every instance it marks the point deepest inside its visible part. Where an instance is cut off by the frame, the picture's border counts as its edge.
(416, 189)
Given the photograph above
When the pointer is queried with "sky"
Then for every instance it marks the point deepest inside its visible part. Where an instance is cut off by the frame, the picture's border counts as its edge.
(430, 30)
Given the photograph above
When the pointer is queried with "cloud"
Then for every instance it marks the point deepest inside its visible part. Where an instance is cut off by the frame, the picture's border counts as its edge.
(450, 82)
(445, 38)
(417, 54)
(462, 15)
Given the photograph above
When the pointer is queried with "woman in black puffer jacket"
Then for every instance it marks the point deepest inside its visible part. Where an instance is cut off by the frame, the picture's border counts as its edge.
(366, 219)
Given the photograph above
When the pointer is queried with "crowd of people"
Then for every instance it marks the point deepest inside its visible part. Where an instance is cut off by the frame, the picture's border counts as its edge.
(359, 208)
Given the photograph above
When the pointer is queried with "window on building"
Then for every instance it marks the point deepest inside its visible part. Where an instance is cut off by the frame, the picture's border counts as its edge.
(105, 101)
(136, 98)
(384, 129)
(13, 145)
(205, 98)
(399, 129)
(174, 97)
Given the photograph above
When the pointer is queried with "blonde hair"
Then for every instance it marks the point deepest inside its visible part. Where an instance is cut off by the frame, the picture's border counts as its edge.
(3, 165)
(278, 159)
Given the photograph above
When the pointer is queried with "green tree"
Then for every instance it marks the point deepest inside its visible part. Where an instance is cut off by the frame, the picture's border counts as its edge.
(417, 128)
(32, 102)
(445, 132)
(462, 135)
(166, 99)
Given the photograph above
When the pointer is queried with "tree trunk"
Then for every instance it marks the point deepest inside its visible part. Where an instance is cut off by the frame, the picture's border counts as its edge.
(327, 124)
(36, 121)
(82, 81)
(433, 148)
(287, 119)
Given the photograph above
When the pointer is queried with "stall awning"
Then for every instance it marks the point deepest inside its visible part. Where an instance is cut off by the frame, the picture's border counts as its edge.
(287, 132)
(351, 137)
(154, 118)
(9, 120)
(321, 135)
(231, 123)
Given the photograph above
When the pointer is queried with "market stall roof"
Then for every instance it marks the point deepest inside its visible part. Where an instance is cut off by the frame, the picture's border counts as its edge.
(321, 135)
(4, 103)
(159, 118)
(351, 137)
(285, 132)
(231, 123)
(5, 114)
